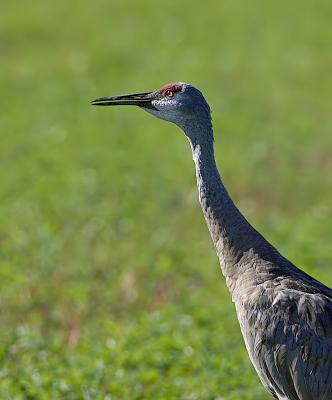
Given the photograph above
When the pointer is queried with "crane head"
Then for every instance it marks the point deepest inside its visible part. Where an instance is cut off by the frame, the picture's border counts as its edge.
(174, 102)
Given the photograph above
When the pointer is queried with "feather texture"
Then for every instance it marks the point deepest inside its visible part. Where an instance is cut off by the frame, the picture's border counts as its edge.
(285, 315)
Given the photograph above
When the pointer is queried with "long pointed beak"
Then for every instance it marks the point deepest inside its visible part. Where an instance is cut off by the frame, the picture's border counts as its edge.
(137, 99)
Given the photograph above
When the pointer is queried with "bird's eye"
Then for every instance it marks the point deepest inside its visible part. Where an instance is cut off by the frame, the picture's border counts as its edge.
(169, 93)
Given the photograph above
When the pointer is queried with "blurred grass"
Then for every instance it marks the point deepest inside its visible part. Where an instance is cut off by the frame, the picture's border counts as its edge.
(110, 288)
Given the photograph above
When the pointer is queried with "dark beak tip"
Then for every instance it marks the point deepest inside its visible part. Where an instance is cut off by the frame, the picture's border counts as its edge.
(138, 99)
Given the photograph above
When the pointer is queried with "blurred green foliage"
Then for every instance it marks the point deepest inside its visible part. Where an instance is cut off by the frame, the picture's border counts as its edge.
(110, 287)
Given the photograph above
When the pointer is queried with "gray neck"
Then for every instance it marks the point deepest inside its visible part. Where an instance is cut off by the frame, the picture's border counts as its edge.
(234, 238)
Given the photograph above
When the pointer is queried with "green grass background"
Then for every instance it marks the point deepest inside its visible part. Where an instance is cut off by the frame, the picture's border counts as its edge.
(109, 284)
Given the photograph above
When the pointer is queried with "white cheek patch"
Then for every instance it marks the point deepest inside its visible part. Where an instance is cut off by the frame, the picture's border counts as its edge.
(165, 104)
(164, 109)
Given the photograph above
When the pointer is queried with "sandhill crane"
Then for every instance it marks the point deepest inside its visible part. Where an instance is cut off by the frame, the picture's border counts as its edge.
(285, 315)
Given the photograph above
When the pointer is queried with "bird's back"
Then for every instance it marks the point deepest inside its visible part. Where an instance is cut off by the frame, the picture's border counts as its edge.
(286, 321)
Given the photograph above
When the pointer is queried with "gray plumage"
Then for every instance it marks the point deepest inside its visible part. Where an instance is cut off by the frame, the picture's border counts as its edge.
(285, 315)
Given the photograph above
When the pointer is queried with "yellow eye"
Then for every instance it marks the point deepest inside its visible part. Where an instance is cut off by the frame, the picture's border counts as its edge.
(169, 93)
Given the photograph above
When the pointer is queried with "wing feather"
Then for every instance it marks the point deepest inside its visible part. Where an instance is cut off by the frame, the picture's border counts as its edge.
(289, 340)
